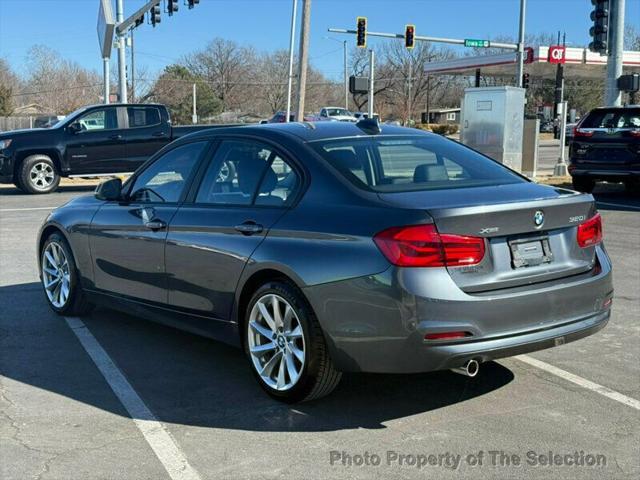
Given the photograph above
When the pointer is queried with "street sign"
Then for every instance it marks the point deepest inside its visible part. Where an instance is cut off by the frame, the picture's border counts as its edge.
(475, 43)
(106, 26)
(557, 54)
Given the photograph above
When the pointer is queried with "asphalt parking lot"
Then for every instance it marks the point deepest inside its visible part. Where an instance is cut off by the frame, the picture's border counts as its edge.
(199, 414)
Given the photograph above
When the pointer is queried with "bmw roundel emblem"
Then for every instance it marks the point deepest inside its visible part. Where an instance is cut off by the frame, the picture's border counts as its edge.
(538, 218)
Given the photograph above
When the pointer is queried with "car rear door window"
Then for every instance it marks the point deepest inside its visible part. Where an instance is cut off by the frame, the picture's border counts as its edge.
(102, 119)
(143, 116)
(165, 179)
(243, 172)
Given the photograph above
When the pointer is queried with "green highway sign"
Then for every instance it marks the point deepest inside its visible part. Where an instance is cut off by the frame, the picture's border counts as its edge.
(472, 42)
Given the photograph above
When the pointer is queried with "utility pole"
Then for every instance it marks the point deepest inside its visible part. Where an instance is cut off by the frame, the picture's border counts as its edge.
(133, 71)
(303, 58)
(559, 91)
(372, 58)
(106, 73)
(613, 96)
(520, 70)
(194, 117)
(122, 59)
(409, 85)
(346, 77)
(292, 42)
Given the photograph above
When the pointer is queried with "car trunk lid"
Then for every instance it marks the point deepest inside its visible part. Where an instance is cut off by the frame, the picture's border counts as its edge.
(518, 250)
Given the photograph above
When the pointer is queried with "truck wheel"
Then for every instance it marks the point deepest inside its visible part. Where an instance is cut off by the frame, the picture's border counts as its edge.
(37, 174)
(582, 184)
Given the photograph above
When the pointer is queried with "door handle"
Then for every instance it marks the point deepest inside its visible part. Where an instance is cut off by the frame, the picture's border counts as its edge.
(115, 137)
(158, 134)
(249, 228)
(155, 225)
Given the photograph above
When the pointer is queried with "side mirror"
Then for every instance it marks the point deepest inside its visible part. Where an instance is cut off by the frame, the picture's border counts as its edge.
(75, 128)
(109, 190)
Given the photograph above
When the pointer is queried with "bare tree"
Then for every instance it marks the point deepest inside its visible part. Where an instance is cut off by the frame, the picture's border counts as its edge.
(225, 65)
(59, 85)
(9, 85)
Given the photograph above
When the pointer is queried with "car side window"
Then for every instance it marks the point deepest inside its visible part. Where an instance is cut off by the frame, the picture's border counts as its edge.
(279, 184)
(238, 168)
(101, 119)
(166, 178)
(143, 116)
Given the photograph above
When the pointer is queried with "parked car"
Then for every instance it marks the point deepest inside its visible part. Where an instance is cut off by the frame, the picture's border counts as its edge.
(606, 147)
(94, 140)
(546, 126)
(335, 247)
(337, 114)
(280, 117)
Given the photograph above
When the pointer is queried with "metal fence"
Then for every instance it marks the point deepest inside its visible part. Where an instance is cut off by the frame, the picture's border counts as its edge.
(15, 123)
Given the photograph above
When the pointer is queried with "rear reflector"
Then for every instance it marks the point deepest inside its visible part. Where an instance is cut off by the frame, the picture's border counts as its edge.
(446, 335)
(590, 232)
(423, 246)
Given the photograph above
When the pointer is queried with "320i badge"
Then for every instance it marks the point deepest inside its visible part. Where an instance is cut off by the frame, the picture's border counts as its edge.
(334, 247)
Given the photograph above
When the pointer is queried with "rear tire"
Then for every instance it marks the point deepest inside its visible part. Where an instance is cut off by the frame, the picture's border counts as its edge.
(37, 174)
(60, 278)
(583, 184)
(287, 350)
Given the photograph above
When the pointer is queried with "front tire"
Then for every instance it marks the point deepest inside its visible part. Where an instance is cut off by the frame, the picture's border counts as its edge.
(583, 184)
(285, 345)
(37, 174)
(60, 278)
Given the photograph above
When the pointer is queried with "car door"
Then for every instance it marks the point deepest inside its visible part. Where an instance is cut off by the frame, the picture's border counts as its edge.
(95, 142)
(127, 238)
(213, 235)
(146, 133)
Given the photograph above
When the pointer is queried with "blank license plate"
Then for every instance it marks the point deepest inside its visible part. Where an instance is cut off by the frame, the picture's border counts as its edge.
(529, 253)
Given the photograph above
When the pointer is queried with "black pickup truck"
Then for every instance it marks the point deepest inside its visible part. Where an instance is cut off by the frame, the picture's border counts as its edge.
(92, 141)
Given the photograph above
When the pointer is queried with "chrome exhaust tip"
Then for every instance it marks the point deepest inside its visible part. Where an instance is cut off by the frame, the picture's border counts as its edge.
(470, 369)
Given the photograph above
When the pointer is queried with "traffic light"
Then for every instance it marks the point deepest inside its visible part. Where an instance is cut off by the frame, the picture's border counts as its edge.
(155, 15)
(139, 21)
(525, 80)
(600, 30)
(409, 36)
(192, 3)
(361, 32)
(172, 6)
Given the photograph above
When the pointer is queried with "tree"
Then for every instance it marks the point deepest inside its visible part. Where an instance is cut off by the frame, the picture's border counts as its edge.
(174, 88)
(9, 84)
(59, 85)
(225, 65)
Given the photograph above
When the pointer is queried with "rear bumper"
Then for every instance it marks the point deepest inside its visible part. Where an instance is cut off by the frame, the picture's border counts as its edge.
(611, 174)
(378, 323)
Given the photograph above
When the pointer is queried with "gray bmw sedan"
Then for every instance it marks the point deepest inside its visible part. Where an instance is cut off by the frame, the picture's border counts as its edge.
(332, 247)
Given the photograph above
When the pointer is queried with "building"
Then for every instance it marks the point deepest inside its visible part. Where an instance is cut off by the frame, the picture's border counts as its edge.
(443, 115)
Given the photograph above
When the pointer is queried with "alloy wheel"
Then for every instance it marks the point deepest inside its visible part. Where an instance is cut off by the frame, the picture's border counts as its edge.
(55, 275)
(41, 175)
(276, 342)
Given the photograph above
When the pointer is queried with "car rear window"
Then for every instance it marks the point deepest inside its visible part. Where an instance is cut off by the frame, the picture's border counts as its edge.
(613, 118)
(402, 164)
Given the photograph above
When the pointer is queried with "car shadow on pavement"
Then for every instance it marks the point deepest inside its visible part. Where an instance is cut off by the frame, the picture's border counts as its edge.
(14, 191)
(189, 380)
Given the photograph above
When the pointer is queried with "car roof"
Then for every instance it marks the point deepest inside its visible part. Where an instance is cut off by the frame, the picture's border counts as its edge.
(310, 131)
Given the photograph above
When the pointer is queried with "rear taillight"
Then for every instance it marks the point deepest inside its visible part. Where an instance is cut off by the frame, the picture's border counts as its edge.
(579, 132)
(590, 232)
(423, 246)
(635, 133)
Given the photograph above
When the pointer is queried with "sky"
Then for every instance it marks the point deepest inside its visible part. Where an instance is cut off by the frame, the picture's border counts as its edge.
(69, 26)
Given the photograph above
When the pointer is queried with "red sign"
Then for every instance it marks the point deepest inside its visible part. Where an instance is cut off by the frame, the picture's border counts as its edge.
(557, 54)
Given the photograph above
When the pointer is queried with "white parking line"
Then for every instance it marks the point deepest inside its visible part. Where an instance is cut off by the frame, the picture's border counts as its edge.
(632, 207)
(584, 383)
(25, 209)
(153, 431)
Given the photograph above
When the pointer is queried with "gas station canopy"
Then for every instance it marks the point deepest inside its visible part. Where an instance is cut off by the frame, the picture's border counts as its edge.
(578, 63)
